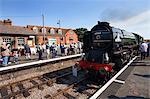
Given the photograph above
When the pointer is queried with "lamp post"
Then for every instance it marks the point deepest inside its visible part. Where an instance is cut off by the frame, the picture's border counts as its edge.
(58, 30)
(43, 29)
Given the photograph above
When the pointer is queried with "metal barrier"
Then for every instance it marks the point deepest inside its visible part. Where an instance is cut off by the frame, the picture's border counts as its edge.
(38, 62)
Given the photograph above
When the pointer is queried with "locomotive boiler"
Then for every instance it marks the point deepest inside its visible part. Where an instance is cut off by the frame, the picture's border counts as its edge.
(107, 48)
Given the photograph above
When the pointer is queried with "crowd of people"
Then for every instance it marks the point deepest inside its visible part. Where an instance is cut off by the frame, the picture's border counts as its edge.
(54, 50)
(51, 51)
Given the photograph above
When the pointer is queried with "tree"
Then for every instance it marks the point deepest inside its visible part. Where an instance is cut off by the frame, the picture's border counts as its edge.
(80, 32)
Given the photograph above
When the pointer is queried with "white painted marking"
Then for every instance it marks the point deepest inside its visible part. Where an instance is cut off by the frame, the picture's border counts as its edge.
(38, 62)
(119, 81)
(118, 39)
(99, 92)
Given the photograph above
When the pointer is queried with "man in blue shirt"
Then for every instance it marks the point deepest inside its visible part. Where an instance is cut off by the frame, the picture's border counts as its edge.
(27, 51)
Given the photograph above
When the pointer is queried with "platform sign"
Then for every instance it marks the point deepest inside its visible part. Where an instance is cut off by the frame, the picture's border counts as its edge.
(51, 41)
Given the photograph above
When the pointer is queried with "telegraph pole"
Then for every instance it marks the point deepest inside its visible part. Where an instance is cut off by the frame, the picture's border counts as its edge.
(59, 28)
(43, 28)
(58, 23)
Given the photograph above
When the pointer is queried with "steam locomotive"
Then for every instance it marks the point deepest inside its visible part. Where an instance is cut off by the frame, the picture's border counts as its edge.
(107, 49)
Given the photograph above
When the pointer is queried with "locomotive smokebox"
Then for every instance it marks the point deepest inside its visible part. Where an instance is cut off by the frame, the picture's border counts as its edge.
(103, 23)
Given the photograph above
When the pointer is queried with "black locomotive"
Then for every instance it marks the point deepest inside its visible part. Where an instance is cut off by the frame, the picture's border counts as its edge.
(105, 46)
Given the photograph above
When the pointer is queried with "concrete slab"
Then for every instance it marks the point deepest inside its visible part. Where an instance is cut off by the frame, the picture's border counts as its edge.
(136, 86)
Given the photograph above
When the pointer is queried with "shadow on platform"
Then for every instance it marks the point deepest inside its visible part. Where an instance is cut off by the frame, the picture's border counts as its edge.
(145, 76)
(140, 64)
(126, 97)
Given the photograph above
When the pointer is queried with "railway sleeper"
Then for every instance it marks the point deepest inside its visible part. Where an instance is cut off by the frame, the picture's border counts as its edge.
(45, 77)
(11, 88)
(87, 93)
(36, 83)
(68, 95)
(25, 92)
(42, 79)
(50, 83)
(59, 91)
(63, 91)
(48, 96)
(4, 91)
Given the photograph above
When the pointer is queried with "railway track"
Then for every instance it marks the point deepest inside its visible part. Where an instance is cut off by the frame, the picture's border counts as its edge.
(59, 83)
(9, 90)
(54, 85)
(24, 71)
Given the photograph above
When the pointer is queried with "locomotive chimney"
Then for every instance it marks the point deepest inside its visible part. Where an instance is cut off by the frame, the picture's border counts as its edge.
(99, 22)
(104, 23)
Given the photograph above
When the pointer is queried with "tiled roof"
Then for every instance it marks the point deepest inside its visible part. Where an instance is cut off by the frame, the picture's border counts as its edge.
(4, 29)
(64, 31)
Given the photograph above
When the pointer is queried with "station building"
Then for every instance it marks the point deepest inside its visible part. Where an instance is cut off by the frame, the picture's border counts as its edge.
(54, 35)
(17, 36)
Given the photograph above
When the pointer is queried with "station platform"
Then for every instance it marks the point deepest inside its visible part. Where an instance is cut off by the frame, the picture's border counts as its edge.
(17, 66)
(134, 82)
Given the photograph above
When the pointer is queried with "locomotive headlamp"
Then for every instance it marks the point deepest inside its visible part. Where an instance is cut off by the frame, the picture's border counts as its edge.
(98, 37)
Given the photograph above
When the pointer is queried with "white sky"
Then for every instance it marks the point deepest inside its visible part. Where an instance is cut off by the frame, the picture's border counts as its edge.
(139, 24)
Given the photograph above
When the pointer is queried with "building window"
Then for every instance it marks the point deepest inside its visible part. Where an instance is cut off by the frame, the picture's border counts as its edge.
(7, 40)
(43, 30)
(35, 29)
(21, 41)
(70, 38)
(71, 32)
(60, 32)
(52, 31)
(61, 38)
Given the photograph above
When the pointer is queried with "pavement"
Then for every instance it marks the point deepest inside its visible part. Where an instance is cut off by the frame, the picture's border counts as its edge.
(137, 83)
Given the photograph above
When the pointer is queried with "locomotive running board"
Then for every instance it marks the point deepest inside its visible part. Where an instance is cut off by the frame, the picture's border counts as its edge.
(100, 91)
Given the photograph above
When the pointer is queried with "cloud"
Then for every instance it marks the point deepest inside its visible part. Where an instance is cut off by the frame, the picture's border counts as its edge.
(139, 24)
(118, 13)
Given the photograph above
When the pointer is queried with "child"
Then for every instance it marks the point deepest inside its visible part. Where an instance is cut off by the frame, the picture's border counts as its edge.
(15, 56)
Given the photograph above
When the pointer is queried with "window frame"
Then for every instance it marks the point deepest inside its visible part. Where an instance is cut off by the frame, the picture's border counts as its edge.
(52, 31)
(35, 29)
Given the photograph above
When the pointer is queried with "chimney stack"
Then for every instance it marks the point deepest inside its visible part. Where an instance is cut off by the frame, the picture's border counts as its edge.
(6, 22)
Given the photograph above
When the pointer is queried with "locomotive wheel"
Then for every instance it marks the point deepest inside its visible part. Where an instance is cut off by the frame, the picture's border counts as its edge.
(130, 57)
(118, 64)
(91, 74)
(105, 79)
